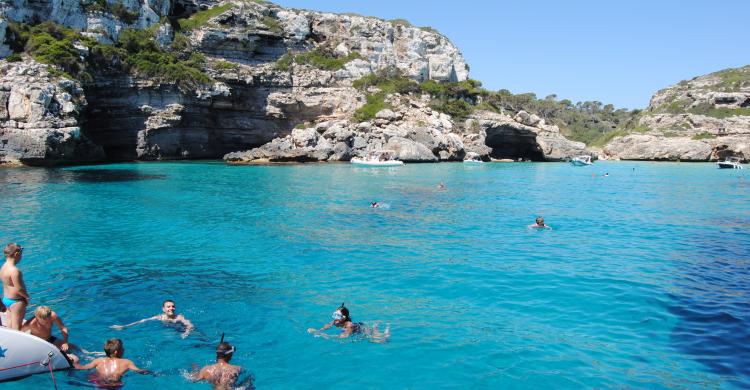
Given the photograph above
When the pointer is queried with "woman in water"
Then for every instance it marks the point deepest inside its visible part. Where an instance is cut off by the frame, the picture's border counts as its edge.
(341, 319)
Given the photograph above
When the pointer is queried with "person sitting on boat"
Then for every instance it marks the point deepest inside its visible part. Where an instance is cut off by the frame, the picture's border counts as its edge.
(168, 316)
(539, 224)
(112, 368)
(221, 375)
(41, 326)
(15, 296)
(341, 319)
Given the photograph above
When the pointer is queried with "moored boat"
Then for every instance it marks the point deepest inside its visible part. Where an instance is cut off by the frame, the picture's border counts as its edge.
(730, 163)
(22, 354)
(581, 161)
(473, 158)
(382, 158)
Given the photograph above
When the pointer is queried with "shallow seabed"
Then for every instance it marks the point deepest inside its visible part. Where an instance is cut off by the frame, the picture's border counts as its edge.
(643, 282)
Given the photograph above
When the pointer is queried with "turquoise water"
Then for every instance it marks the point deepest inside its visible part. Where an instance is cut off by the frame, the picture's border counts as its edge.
(643, 282)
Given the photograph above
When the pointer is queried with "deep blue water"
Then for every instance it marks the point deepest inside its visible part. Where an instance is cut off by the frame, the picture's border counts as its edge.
(642, 283)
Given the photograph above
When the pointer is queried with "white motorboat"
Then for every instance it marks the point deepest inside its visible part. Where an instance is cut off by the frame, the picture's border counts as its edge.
(22, 354)
(473, 158)
(581, 161)
(382, 158)
(730, 163)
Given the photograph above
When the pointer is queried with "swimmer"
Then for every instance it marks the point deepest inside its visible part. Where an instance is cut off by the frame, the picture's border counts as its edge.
(441, 186)
(539, 224)
(168, 317)
(41, 326)
(15, 296)
(221, 375)
(341, 319)
(374, 205)
(112, 368)
(606, 174)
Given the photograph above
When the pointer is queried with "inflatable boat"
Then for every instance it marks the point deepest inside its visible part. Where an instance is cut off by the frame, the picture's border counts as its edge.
(22, 354)
(382, 158)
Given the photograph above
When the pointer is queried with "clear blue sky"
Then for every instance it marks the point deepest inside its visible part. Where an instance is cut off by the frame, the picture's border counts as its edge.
(614, 52)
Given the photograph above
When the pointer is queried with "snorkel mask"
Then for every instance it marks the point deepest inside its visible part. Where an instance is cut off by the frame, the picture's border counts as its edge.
(337, 314)
(224, 350)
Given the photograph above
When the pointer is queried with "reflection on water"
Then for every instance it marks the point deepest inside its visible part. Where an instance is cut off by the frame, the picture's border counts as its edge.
(29, 176)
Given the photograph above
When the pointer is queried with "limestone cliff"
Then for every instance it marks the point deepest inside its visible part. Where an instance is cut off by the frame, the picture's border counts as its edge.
(264, 82)
(706, 118)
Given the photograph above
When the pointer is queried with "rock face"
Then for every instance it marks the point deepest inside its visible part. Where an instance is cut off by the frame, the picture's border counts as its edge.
(268, 112)
(707, 118)
(39, 117)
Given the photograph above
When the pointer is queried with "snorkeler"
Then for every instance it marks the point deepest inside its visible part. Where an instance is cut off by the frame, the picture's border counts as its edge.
(41, 326)
(441, 186)
(539, 224)
(168, 316)
(341, 319)
(221, 375)
(374, 205)
(15, 296)
(111, 369)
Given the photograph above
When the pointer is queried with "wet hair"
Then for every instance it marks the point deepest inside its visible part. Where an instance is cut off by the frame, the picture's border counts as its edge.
(539, 220)
(11, 249)
(43, 312)
(224, 350)
(165, 302)
(344, 312)
(112, 346)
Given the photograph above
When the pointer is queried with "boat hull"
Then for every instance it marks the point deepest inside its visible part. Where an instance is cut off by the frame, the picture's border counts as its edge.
(578, 163)
(366, 163)
(21, 349)
(723, 165)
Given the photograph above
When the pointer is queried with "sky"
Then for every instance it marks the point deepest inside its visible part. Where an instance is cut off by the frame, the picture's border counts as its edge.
(614, 52)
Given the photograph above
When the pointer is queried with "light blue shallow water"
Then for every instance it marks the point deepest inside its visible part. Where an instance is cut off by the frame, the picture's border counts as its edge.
(643, 282)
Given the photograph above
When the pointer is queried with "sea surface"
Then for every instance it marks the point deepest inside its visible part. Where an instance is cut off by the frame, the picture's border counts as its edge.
(643, 281)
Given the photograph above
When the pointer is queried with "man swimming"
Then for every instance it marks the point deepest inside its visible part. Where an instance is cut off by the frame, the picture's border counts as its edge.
(539, 224)
(341, 319)
(374, 205)
(112, 368)
(15, 297)
(221, 375)
(168, 316)
(41, 326)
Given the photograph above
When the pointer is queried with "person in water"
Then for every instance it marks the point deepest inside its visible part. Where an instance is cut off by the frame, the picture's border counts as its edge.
(341, 319)
(15, 296)
(112, 368)
(167, 316)
(441, 186)
(374, 205)
(221, 375)
(539, 224)
(41, 326)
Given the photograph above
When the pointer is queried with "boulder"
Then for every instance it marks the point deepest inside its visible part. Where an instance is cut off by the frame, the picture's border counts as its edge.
(410, 151)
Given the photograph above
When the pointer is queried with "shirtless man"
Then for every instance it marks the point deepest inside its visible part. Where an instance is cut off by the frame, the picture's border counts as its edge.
(539, 224)
(15, 297)
(111, 369)
(168, 316)
(41, 326)
(221, 375)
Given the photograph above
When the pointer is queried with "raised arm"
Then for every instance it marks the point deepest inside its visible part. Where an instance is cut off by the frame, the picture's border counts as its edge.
(57, 320)
(118, 327)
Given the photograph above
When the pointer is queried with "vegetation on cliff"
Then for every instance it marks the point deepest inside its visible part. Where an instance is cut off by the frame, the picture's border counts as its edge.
(200, 18)
(135, 52)
(320, 57)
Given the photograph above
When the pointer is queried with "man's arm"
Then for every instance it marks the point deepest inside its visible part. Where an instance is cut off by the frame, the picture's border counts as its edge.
(317, 331)
(188, 325)
(135, 368)
(17, 279)
(63, 330)
(200, 375)
(118, 327)
(89, 366)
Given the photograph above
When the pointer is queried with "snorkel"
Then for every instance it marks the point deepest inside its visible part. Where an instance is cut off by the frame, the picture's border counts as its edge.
(224, 350)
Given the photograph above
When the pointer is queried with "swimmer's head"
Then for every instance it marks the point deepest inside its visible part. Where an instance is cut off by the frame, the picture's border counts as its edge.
(43, 313)
(114, 348)
(224, 351)
(540, 221)
(13, 251)
(168, 307)
(341, 315)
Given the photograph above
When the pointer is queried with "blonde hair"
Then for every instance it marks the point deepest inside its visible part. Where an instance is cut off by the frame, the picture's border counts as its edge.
(43, 312)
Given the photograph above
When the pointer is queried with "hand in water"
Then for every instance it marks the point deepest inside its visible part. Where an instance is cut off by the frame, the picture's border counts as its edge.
(312, 330)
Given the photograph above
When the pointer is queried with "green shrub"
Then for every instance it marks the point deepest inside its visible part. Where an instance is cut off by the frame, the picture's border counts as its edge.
(96, 6)
(225, 65)
(375, 103)
(14, 57)
(200, 18)
(719, 112)
(704, 135)
(397, 84)
(456, 108)
(300, 126)
(399, 22)
(53, 44)
(272, 24)
(323, 59)
(123, 13)
(285, 62)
